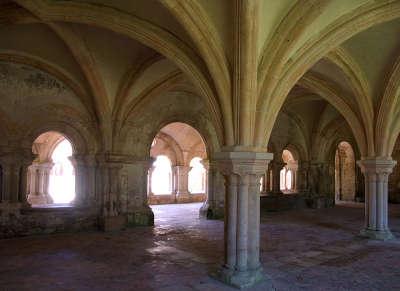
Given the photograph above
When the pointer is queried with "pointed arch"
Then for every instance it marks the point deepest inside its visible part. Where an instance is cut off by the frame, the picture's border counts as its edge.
(148, 34)
(360, 86)
(323, 89)
(275, 51)
(271, 98)
(387, 127)
(197, 23)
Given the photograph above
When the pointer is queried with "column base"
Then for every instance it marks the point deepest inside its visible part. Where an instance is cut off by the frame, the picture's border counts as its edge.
(377, 235)
(240, 279)
(140, 217)
(182, 197)
(39, 199)
(276, 193)
(25, 205)
(113, 223)
(209, 212)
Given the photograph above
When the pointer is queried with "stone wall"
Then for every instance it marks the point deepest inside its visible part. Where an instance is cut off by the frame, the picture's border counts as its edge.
(345, 173)
(16, 222)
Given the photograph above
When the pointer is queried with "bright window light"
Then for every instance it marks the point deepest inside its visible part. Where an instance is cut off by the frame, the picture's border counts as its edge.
(62, 176)
(161, 180)
(197, 176)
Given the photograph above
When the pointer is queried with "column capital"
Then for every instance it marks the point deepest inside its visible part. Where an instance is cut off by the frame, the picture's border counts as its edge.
(46, 165)
(376, 165)
(243, 163)
(82, 159)
(206, 163)
(277, 164)
(182, 168)
(376, 172)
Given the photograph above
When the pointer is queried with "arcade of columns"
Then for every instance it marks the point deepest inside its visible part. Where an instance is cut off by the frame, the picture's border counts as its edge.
(180, 187)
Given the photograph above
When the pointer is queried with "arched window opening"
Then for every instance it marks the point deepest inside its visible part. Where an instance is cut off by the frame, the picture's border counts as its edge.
(345, 176)
(283, 179)
(51, 177)
(289, 180)
(180, 171)
(62, 176)
(161, 177)
(197, 176)
(288, 172)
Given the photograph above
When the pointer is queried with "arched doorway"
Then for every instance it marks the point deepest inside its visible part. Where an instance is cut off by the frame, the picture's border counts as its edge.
(288, 172)
(51, 177)
(345, 175)
(178, 174)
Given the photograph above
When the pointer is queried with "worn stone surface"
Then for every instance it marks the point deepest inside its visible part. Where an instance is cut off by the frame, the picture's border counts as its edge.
(300, 250)
(47, 220)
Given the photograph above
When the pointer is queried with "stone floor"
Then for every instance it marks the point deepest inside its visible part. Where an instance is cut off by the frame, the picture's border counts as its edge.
(301, 250)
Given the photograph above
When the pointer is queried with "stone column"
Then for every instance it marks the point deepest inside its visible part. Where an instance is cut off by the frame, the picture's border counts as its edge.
(376, 173)
(360, 196)
(84, 167)
(23, 191)
(80, 180)
(108, 193)
(212, 208)
(14, 178)
(40, 177)
(182, 191)
(265, 183)
(302, 177)
(46, 170)
(24, 177)
(342, 160)
(149, 178)
(175, 181)
(6, 182)
(110, 178)
(11, 165)
(138, 209)
(242, 172)
(294, 180)
(277, 166)
(204, 209)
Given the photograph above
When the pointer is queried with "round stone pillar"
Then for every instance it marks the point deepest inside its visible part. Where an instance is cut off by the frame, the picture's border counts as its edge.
(25, 178)
(39, 182)
(84, 167)
(213, 206)
(149, 179)
(302, 177)
(182, 190)
(376, 173)
(138, 186)
(242, 172)
(277, 166)
(204, 209)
